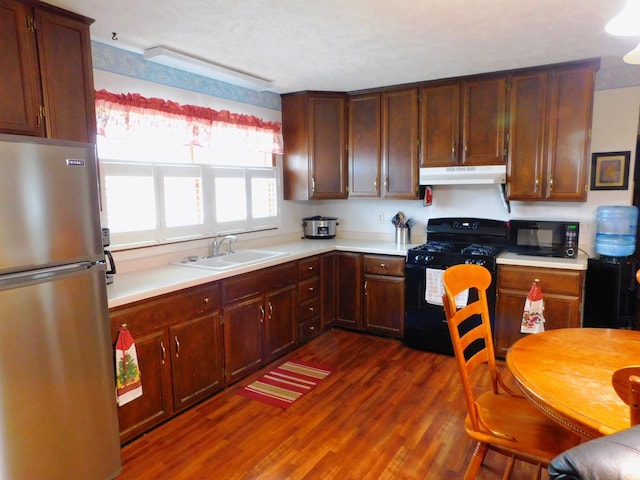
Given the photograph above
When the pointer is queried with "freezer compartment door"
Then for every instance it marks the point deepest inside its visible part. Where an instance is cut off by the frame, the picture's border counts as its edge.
(50, 206)
(57, 386)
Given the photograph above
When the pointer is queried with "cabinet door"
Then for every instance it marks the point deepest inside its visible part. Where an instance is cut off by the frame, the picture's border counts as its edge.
(196, 359)
(327, 120)
(155, 404)
(243, 337)
(328, 290)
(570, 114)
(364, 145)
(440, 125)
(527, 126)
(484, 121)
(400, 143)
(280, 325)
(64, 50)
(384, 305)
(349, 290)
(20, 96)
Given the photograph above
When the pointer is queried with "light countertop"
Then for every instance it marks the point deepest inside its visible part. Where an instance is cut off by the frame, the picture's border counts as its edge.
(578, 263)
(141, 284)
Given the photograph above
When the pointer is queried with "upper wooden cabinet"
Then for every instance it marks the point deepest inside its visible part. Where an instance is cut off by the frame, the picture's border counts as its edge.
(463, 122)
(440, 124)
(365, 136)
(383, 144)
(400, 143)
(549, 132)
(46, 87)
(314, 129)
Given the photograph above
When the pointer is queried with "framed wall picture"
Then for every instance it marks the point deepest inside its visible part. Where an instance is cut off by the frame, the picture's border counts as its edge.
(610, 170)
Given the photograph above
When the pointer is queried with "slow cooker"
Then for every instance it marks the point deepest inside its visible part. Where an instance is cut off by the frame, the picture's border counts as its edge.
(319, 227)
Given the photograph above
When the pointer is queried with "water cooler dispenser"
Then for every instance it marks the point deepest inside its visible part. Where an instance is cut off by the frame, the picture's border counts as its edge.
(610, 298)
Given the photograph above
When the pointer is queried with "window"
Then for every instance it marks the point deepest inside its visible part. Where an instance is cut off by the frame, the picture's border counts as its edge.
(169, 176)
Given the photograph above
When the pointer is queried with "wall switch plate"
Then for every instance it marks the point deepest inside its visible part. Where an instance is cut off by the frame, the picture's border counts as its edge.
(380, 217)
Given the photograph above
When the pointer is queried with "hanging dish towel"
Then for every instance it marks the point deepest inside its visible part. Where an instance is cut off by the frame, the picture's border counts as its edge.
(128, 381)
(434, 289)
(533, 314)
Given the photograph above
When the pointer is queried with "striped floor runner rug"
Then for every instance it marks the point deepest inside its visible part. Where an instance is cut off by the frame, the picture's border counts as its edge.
(286, 383)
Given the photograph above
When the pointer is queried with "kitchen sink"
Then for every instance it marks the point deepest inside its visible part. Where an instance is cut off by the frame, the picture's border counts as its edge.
(229, 260)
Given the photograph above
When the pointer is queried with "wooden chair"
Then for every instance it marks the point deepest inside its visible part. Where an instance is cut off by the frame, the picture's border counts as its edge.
(626, 383)
(497, 419)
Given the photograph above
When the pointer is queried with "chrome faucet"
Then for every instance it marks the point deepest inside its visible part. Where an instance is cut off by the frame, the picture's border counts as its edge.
(217, 243)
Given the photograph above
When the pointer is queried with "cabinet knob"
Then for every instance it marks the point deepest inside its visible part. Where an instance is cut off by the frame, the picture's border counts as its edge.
(206, 299)
(310, 268)
(311, 289)
(311, 309)
(382, 265)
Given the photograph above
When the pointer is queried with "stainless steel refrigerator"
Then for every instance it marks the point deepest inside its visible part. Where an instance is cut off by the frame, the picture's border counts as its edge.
(58, 413)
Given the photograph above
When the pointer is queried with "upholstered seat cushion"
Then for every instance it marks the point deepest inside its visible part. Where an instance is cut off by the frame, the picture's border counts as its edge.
(613, 457)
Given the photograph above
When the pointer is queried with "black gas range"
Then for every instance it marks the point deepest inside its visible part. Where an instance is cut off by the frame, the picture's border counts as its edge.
(450, 241)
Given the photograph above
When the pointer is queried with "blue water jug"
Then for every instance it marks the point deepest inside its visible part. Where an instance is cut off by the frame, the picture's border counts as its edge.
(616, 230)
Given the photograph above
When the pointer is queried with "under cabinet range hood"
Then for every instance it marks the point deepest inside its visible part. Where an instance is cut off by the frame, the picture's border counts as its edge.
(464, 175)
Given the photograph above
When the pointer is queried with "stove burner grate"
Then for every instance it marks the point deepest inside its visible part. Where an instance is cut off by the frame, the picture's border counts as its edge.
(477, 249)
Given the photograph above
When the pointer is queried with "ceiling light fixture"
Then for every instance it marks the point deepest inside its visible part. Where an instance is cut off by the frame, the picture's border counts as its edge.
(633, 57)
(190, 64)
(626, 22)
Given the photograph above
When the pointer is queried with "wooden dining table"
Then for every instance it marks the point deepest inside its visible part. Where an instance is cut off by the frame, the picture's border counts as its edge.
(567, 373)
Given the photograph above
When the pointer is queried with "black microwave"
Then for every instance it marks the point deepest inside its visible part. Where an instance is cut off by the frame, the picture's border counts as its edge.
(548, 238)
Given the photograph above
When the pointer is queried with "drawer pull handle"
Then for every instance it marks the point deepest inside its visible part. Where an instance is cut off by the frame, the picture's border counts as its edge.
(311, 309)
(312, 328)
(310, 268)
(382, 265)
(311, 289)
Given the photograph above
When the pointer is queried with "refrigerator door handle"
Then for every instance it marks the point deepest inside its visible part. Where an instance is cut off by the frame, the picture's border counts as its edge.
(20, 278)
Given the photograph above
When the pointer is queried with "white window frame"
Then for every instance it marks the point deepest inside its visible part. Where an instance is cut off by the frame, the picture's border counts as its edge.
(210, 227)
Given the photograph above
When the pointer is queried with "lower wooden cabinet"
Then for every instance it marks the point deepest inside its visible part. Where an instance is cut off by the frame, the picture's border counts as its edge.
(178, 341)
(259, 319)
(349, 290)
(563, 298)
(384, 295)
(328, 289)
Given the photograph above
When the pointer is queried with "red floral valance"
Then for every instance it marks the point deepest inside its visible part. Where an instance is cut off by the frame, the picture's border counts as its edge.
(192, 111)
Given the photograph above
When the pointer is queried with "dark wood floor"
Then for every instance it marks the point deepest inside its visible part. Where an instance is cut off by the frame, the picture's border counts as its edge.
(389, 412)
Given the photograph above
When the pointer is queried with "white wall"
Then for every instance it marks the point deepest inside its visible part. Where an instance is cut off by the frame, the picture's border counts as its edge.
(615, 127)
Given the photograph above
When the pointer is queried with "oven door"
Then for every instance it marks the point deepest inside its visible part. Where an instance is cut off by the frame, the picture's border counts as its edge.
(425, 324)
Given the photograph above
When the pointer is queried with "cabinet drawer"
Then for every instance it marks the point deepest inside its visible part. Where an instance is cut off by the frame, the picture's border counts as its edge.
(309, 309)
(259, 281)
(309, 330)
(308, 289)
(561, 282)
(309, 267)
(384, 265)
(149, 315)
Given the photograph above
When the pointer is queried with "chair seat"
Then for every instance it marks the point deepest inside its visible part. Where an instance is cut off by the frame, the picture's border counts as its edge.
(535, 434)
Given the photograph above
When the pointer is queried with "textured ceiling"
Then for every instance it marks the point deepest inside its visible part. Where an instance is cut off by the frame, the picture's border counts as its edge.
(347, 45)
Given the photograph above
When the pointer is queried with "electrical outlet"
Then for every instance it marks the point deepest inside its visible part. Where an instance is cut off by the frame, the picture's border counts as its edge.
(380, 217)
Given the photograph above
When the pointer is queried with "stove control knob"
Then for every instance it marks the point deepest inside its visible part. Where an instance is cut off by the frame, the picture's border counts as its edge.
(419, 258)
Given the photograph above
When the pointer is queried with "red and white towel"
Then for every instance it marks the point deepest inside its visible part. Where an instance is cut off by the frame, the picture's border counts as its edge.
(128, 380)
(533, 314)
